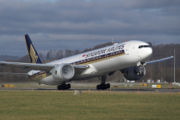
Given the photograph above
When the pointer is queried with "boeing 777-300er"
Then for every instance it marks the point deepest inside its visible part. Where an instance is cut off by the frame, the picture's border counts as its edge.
(128, 57)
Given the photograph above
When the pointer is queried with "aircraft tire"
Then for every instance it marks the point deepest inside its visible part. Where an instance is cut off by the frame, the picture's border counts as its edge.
(103, 86)
(64, 86)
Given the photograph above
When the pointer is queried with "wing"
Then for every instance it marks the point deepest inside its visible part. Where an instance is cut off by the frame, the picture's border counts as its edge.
(33, 66)
(15, 74)
(160, 60)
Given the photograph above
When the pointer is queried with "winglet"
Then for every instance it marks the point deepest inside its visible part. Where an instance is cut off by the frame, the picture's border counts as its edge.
(32, 51)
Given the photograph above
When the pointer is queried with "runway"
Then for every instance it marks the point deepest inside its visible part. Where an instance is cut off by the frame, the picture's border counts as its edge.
(162, 90)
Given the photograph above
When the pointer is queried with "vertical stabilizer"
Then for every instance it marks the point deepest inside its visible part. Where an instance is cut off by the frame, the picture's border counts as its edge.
(32, 51)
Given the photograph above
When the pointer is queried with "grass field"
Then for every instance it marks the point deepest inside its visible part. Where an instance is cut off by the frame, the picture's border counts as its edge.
(55, 105)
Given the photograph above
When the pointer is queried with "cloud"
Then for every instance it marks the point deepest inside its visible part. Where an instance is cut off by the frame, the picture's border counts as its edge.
(67, 24)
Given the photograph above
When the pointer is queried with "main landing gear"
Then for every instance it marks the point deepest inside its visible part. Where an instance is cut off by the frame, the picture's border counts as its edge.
(103, 85)
(64, 86)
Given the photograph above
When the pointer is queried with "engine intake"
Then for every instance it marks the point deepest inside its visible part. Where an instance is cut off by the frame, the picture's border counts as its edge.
(63, 72)
(134, 73)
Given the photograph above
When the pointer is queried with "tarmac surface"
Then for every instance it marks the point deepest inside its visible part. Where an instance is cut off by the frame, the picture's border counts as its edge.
(162, 90)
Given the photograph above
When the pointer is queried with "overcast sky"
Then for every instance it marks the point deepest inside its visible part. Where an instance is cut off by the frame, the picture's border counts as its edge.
(80, 24)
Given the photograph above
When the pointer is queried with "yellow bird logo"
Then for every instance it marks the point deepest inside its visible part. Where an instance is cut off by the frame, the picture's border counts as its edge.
(33, 55)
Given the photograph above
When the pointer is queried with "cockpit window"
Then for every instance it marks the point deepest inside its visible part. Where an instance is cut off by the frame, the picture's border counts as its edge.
(144, 46)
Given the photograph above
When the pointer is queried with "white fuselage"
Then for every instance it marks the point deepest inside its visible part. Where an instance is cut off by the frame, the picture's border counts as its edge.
(109, 59)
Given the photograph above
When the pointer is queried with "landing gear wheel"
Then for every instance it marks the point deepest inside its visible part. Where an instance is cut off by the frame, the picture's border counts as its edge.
(64, 86)
(103, 86)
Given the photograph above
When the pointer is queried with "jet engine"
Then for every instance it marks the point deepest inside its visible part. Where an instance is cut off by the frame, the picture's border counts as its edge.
(63, 72)
(134, 73)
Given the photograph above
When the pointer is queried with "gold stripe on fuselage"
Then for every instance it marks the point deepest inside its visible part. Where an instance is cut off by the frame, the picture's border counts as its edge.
(101, 59)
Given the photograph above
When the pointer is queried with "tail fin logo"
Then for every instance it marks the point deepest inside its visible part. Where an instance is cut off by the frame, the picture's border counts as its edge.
(32, 51)
(33, 55)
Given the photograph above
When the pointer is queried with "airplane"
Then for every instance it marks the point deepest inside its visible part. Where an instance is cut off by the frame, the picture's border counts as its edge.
(129, 57)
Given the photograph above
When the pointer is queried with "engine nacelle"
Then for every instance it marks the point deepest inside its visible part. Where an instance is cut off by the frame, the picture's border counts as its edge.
(134, 73)
(63, 72)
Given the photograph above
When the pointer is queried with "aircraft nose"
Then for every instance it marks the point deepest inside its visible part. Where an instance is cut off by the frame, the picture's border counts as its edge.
(146, 53)
(149, 52)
